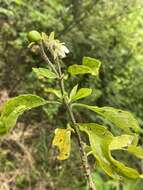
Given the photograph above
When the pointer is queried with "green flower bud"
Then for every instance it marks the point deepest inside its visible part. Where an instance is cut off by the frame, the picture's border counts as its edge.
(34, 36)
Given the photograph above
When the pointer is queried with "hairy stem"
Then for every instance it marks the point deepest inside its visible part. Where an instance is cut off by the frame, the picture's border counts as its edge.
(73, 122)
(44, 56)
(76, 129)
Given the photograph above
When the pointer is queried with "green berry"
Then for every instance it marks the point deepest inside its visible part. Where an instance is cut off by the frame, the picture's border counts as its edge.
(34, 36)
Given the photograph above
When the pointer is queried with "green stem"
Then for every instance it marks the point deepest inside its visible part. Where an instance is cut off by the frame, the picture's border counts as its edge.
(44, 56)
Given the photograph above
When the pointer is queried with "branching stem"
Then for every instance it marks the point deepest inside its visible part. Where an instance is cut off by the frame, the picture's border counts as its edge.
(83, 155)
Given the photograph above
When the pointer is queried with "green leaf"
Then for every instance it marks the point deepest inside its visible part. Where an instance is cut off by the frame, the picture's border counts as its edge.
(15, 107)
(82, 93)
(119, 167)
(63, 142)
(44, 73)
(90, 66)
(73, 91)
(136, 150)
(98, 180)
(53, 91)
(121, 141)
(96, 132)
(78, 69)
(100, 140)
(93, 64)
(121, 119)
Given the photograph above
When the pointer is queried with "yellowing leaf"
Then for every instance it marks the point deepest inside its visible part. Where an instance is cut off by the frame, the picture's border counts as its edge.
(63, 142)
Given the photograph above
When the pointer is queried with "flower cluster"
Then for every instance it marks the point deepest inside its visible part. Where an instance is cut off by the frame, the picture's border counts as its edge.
(56, 48)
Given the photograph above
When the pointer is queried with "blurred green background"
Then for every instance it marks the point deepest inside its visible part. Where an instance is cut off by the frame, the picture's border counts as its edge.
(109, 30)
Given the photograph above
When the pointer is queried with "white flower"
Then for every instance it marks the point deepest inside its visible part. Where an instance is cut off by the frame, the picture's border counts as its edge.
(63, 50)
(56, 48)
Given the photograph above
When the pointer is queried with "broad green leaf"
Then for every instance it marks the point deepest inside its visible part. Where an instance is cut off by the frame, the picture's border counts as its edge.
(96, 133)
(94, 64)
(82, 93)
(63, 142)
(78, 69)
(73, 91)
(100, 141)
(121, 141)
(121, 119)
(119, 167)
(44, 73)
(89, 66)
(136, 150)
(15, 107)
(53, 91)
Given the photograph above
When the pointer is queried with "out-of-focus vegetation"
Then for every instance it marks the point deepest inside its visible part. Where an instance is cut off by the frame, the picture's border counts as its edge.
(111, 31)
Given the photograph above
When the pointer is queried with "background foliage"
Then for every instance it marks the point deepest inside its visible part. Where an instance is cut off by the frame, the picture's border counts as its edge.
(111, 31)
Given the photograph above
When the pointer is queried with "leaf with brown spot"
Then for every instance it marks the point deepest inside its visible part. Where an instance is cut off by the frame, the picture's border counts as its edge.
(62, 141)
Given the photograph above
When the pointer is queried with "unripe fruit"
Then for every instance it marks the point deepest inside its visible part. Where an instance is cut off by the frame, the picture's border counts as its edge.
(34, 36)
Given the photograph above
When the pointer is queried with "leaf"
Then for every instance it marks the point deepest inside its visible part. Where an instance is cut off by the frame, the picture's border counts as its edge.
(82, 93)
(94, 64)
(121, 119)
(100, 140)
(99, 181)
(53, 91)
(44, 73)
(121, 141)
(78, 69)
(15, 107)
(51, 36)
(89, 66)
(73, 91)
(96, 132)
(62, 141)
(136, 150)
(119, 167)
